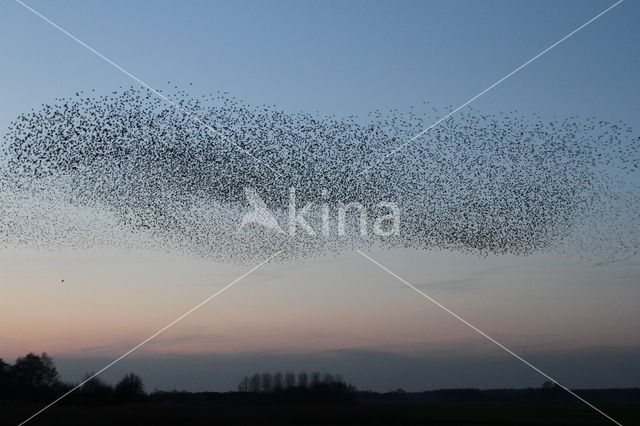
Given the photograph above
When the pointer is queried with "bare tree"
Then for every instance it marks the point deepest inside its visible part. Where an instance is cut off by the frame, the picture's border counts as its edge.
(315, 378)
(302, 385)
(254, 383)
(130, 388)
(267, 382)
(303, 379)
(289, 379)
(36, 371)
(96, 390)
(244, 385)
(278, 381)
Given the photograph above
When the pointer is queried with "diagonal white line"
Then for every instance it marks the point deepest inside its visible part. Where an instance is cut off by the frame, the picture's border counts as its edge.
(154, 91)
(366, 169)
(468, 324)
(163, 329)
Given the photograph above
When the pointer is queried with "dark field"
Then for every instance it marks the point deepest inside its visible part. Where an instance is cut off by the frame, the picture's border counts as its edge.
(438, 414)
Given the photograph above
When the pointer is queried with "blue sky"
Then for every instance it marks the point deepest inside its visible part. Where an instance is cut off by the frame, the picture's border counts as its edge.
(339, 58)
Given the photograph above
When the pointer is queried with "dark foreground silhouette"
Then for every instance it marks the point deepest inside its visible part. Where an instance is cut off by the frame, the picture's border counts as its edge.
(290, 399)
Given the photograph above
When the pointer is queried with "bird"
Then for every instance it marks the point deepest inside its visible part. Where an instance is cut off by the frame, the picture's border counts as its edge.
(174, 176)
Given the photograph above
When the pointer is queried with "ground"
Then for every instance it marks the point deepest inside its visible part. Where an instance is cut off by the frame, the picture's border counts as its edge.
(437, 414)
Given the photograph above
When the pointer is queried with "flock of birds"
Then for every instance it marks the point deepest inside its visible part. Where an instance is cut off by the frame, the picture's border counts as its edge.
(128, 170)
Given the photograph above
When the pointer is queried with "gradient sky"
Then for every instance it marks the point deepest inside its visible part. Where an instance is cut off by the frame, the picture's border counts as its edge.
(577, 318)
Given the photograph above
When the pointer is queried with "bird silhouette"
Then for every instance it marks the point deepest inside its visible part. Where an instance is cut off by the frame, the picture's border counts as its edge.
(126, 169)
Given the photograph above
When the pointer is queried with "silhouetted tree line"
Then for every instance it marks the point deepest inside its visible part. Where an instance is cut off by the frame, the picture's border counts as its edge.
(34, 378)
(96, 391)
(549, 392)
(301, 387)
